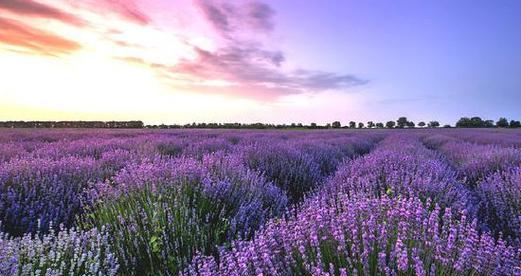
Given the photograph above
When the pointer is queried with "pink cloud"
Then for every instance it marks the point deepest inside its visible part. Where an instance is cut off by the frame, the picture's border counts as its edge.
(126, 9)
(34, 40)
(36, 9)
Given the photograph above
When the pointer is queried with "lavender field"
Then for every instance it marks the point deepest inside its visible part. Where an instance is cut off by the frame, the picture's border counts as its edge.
(260, 202)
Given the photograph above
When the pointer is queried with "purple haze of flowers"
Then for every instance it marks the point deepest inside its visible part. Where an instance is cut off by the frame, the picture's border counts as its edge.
(474, 162)
(506, 138)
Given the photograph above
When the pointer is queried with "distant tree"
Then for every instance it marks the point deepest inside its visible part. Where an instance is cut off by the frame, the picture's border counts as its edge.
(515, 124)
(446, 126)
(410, 124)
(474, 122)
(434, 124)
(313, 125)
(352, 124)
(464, 122)
(390, 124)
(401, 122)
(379, 125)
(421, 124)
(336, 124)
(502, 122)
(477, 121)
(360, 125)
(488, 123)
(370, 124)
(328, 125)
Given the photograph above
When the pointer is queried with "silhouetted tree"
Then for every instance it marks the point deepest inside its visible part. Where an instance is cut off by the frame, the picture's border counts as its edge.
(336, 124)
(477, 122)
(488, 123)
(379, 125)
(421, 124)
(464, 122)
(434, 124)
(515, 124)
(410, 124)
(313, 125)
(502, 122)
(401, 122)
(474, 122)
(360, 125)
(390, 124)
(352, 124)
(72, 124)
(370, 124)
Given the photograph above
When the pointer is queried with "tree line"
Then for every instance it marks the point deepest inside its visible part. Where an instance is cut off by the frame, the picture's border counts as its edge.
(401, 122)
(477, 122)
(72, 124)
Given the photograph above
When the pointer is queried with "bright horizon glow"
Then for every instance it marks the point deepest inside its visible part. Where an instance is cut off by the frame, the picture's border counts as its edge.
(247, 61)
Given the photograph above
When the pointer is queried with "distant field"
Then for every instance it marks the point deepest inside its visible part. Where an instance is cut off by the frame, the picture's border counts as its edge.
(260, 202)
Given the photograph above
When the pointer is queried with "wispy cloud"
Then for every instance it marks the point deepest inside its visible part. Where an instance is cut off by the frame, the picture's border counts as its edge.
(37, 9)
(254, 67)
(22, 36)
(245, 63)
(126, 9)
(229, 19)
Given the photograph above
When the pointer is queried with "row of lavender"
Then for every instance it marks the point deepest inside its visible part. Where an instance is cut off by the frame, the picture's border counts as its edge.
(492, 173)
(496, 136)
(400, 210)
(142, 202)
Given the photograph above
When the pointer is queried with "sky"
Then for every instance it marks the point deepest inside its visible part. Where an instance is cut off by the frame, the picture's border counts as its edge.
(182, 61)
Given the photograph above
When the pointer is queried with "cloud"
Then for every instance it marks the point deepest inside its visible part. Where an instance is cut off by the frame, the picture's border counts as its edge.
(260, 16)
(125, 9)
(244, 63)
(258, 70)
(19, 35)
(217, 15)
(229, 19)
(36, 9)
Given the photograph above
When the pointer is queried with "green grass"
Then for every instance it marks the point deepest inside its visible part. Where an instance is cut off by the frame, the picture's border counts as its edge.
(157, 233)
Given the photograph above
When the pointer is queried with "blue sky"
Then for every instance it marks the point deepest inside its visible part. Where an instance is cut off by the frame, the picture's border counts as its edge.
(442, 59)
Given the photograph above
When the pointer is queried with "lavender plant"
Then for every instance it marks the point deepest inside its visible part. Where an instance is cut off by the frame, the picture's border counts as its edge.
(69, 252)
(500, 204)
(43, 190)
(293, 171)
